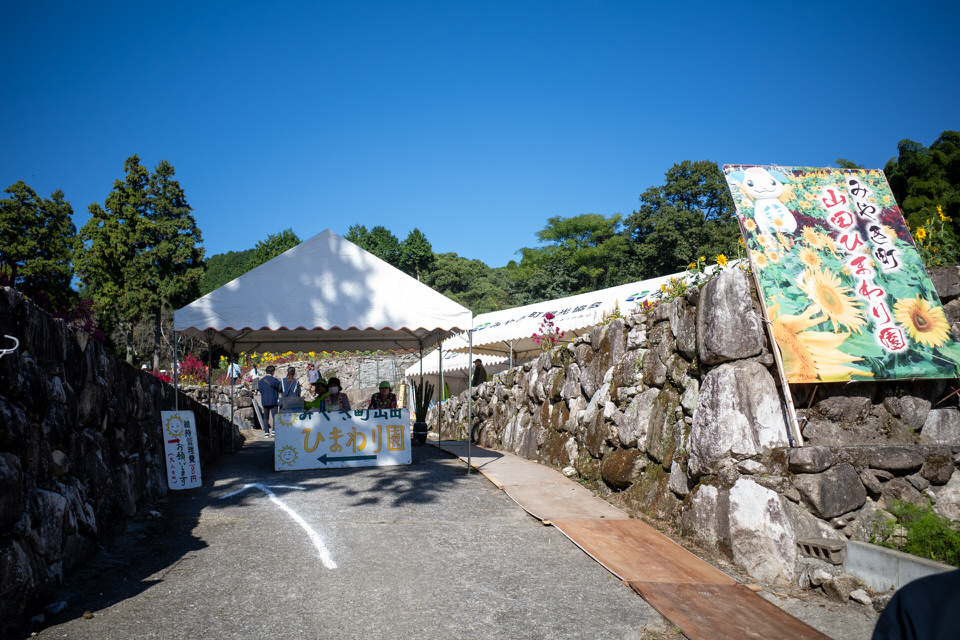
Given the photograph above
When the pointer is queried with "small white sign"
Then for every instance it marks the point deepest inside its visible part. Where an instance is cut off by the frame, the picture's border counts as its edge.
(180, 446)
(328, 440)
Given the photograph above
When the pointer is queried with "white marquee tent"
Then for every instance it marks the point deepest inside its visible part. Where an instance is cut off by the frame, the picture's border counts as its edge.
(324, 294)
(509, 332)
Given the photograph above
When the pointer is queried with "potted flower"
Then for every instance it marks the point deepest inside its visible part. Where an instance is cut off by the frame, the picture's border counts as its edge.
(422, 394)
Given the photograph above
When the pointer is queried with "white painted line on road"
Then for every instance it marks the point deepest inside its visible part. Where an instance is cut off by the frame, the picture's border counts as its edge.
(313, 535)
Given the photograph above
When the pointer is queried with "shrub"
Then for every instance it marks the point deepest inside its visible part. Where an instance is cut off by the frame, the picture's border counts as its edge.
(919, 531)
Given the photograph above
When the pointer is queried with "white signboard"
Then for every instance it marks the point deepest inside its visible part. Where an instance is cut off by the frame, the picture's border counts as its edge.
(327, 440)
(180, 446)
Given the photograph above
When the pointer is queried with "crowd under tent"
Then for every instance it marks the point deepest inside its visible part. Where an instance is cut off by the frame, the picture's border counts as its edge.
(325, 294)
(509, 332)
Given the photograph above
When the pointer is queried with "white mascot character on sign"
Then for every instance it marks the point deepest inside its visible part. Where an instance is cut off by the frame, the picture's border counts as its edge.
(769, 213)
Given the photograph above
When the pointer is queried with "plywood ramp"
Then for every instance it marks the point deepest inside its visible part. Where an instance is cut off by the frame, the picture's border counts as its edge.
(722, 612)
(632, 550)
(702, 601)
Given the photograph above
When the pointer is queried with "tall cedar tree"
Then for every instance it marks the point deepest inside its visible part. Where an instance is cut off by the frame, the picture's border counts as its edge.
(37, 249)
(140, 251)
(176, 248)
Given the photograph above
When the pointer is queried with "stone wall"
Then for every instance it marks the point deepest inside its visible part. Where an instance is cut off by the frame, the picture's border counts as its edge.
(80, 451)
(678, 413)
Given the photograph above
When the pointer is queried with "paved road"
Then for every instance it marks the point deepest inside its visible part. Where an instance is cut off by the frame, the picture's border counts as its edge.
(419, 551)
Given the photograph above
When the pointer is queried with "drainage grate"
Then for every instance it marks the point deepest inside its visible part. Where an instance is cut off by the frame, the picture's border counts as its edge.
(831, 551)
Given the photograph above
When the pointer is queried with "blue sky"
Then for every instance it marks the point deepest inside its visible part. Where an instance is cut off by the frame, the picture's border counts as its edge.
(473, 121)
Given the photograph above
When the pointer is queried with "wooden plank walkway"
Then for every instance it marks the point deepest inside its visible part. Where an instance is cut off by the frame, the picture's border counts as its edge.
(702, 601)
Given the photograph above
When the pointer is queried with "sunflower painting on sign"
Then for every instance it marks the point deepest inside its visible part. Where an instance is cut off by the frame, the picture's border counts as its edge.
(845, 291)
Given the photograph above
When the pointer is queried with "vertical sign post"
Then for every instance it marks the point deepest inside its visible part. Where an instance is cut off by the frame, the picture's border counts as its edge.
(182, 454)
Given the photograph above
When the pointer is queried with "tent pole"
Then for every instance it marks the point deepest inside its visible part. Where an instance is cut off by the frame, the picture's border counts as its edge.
(210, 370)
(176, 377)
(469, 402)
(440, 401)
(231, 387)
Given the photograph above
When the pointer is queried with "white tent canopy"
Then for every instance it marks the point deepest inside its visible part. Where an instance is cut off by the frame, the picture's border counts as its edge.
(452, 362)
(509, 332)
(324, 294)
(457, 369)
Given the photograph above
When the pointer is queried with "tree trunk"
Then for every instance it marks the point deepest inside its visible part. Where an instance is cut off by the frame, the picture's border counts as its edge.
(157, 338)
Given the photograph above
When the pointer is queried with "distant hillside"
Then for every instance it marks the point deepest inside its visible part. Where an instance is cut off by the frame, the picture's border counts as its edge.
(224, 267)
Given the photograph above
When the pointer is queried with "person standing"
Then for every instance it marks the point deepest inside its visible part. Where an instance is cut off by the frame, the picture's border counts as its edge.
(479, 373)
(337, 400)
(290, 386)
(270, 399)
(313, 373)
(384, 398)
(233, 373)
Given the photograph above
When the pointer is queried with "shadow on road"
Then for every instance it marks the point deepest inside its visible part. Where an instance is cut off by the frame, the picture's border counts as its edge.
(161, 535)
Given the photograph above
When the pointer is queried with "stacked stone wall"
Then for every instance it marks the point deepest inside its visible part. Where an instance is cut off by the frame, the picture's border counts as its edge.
(80, 451)
(678, 413)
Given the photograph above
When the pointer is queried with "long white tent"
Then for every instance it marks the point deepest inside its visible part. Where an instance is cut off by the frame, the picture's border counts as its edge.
(509, 332)
(324, 294)
(456, 368)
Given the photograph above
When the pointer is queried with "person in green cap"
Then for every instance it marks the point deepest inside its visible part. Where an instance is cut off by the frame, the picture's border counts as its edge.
(320, 394)
(384, 398)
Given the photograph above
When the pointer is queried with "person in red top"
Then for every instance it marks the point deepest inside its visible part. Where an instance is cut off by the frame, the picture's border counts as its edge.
(384, 398)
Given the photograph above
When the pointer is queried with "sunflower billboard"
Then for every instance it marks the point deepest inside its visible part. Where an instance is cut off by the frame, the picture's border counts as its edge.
(844, 289)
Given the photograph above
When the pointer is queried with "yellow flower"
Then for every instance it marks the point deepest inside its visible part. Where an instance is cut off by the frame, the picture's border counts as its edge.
(691, 266)
(943, 218)
(832, 299)
(809, 257)
(924, 322)
(749, 224)
(811, 356)
(759, 259)
(811, 237)
(765, 241)
(721, 260)
(785, 240)
(921, 234)
(773, 256)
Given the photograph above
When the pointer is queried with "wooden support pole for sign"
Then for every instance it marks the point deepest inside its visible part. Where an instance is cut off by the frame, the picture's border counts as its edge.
(775, 348)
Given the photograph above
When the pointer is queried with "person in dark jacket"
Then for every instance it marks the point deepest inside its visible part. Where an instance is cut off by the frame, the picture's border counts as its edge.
(479, 373)
(269, 388)
(925, 609)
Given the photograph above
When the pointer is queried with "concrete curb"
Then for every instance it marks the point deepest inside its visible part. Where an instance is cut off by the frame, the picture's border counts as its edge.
(883, 569)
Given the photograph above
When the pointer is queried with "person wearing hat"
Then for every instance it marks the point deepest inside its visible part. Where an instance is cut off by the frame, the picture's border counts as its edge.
(384, 398)
(479, 373)
(336, 400)
(270, 399)
(320, 395)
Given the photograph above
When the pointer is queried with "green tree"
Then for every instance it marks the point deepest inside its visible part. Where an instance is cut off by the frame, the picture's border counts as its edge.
(922, 178)
(140, 251)
(589, 248)
(843, 163)
(175, 249)
(384, 245)
(222, 268)
(689, 216)
(469, 282)
(416, 254)
(37, 249)
(272, 246)
(111, 257)
(358, 235)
